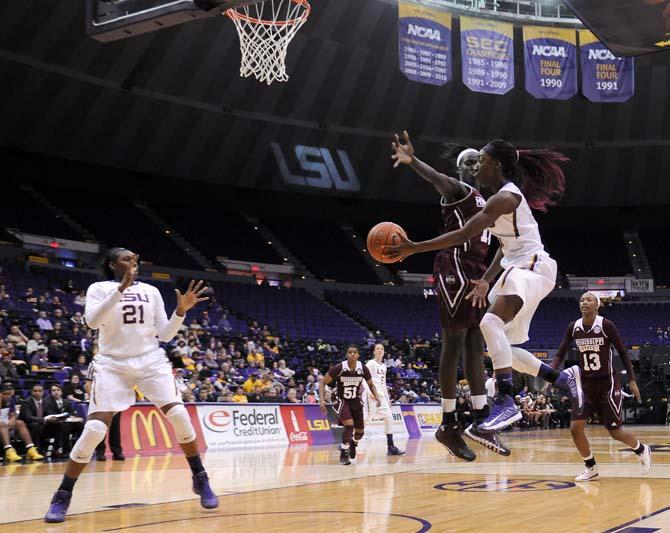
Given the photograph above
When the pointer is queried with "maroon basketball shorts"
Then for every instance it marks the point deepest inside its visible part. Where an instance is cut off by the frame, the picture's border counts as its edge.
(350, 410)
(602, 396)
(452, 273)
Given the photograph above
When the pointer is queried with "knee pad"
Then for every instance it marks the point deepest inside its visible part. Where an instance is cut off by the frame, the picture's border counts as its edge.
(493, 329)
(93, 434)
(181, 423)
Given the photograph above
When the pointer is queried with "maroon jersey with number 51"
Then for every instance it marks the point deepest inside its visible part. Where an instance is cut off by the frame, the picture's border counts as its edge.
(349, 383)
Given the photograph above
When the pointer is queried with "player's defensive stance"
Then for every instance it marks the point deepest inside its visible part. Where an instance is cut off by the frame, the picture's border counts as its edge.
(528, 272)
(595, 338)
(131, 319)
(348, 377)
(378, 370)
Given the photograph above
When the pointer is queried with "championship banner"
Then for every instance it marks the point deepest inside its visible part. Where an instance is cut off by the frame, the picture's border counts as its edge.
(424, 43)
(605, 78)
(550, 57)
(229, 426)
(144, 429)
(487, 53)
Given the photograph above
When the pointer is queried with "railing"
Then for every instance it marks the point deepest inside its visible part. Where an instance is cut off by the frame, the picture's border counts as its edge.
(551, 11)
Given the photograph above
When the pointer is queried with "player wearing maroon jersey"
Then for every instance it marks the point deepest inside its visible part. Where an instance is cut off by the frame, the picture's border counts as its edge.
(453, 270)
(595, 338)
(347, 402)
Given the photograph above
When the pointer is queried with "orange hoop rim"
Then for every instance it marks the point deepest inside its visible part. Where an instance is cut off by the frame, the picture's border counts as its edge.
(233, 13)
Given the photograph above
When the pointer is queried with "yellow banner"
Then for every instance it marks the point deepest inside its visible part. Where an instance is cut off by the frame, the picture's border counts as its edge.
(504, 28)
(544, 32)
(436, 15)
(587, 37)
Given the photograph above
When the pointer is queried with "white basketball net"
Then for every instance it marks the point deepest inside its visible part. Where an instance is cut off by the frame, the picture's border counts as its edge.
(265, 30)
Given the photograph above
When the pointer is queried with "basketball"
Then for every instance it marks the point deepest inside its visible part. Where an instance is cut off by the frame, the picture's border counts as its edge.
(383, 234)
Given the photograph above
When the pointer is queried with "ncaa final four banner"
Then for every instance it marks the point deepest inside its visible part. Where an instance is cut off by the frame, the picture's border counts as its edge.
(487, 53)
(605, 77)
(424, 44)
(550, 56)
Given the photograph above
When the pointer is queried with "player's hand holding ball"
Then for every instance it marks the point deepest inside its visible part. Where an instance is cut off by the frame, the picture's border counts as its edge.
(388, 243)
(192, 297)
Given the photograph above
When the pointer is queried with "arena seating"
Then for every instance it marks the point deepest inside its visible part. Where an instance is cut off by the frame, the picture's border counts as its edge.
(324, 248)
(657, 254)
(228, 234)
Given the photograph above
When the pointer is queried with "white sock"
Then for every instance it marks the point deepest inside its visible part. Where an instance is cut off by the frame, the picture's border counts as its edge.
(448, 405)
(524, 361)
(493, 329)
(478, 401)
(388, 425)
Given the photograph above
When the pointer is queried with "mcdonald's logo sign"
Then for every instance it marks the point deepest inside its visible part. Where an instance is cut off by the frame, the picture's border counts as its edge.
(148, 425)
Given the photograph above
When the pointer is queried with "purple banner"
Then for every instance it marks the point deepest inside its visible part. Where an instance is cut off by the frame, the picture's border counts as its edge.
(487, 53)
(605, 77)
(424, 44)
(550, 56)
(318, 425)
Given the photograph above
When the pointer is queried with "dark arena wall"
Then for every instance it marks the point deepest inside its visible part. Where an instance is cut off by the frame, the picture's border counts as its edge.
(171, 103)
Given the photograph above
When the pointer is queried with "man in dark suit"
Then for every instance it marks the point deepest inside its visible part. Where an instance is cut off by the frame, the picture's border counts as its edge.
(32, 413)
(59, 421)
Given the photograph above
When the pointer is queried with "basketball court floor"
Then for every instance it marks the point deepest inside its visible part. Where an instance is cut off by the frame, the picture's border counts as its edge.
(305, 489)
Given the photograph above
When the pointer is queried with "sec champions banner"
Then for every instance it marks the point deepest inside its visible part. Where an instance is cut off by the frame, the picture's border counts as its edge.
(605, 77)
(550, 56)
(424, 44)
(487, 53)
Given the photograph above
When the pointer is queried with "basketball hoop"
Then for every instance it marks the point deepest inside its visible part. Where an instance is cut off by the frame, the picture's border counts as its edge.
(264, 41)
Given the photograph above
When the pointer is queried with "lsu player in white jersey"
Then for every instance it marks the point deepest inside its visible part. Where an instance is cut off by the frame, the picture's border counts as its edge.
(131, 320)
(521, 180)
(383, 410)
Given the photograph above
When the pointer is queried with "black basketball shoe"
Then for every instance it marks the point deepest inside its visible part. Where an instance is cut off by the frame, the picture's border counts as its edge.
(344, 457)
(449, 437)
(393, 450)
(490, 440)
(352, 449)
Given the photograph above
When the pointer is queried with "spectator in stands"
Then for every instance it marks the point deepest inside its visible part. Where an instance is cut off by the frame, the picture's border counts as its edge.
(204, 396)
(181, 349)
(77, 319)
(419, 365)
(523, 392)
(58, 316)
(564, 412)
(256, 396)
(57, 305)
(74, 390)
(59, 421)
(43, 322)
(284, 370)
(311, 385)
(39, 359)
(209, 362)
(80, 299)
(250, 384)
(180, 381)
(188, 396)
(32, 412)
(35, 343)
(224, 324)
(30, 296)
(292, 396)
(10, 422)
(254, 330)
(8, 369)
(255, 356)
(56, 355)
(226, 396)
(464, 411)
(17, 338)
(239, 396)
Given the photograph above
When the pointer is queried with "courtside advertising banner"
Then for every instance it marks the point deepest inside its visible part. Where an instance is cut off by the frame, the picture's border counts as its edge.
(487, 54)
(228, 426)
(375, 427)
(295, 424)
(550, 57)
(424, 44)
(605, 77)
(428, 417)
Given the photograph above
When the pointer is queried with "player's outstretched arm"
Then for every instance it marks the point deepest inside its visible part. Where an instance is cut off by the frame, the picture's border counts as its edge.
(449, 187)
(613, 333)
(167, 329)
(499, 204)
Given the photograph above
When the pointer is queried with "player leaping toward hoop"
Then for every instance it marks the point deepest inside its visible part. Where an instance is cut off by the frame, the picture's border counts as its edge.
(131, 319)
(453, 270)
(529, 273)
